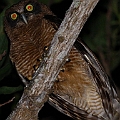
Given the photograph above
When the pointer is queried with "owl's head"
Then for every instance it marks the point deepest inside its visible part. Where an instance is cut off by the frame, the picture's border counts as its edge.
(24, 12)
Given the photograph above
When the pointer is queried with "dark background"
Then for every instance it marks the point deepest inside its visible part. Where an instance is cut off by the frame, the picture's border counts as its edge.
(101, 33)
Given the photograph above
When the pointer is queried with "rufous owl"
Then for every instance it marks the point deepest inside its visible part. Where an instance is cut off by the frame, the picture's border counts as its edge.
(83, 89)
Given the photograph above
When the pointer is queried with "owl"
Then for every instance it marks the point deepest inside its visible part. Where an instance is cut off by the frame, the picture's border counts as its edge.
(82, 90)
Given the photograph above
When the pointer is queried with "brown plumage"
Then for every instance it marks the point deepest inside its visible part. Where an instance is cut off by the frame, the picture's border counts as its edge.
(83, 90)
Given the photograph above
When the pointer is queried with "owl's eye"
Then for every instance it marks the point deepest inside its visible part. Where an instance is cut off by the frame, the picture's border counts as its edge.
(14, 16)
(32, 7)
(29, 7)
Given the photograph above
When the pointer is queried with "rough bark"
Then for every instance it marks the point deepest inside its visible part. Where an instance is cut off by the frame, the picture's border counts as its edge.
(37, 92)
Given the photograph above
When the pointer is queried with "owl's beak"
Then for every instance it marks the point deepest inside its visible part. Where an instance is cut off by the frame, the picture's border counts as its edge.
(24, 18)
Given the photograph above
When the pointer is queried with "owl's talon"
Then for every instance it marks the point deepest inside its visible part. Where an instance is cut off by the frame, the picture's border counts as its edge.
(39, 60)
(62, 69)
(25, 82)
(57, 79)
(46, 48)
(35, 67)
(68, 60)
(29, 78)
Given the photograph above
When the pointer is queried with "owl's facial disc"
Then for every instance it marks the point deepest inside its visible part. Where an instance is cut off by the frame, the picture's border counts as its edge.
(21, 16)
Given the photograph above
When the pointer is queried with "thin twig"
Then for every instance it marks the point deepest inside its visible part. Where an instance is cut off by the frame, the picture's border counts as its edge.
(7, 102)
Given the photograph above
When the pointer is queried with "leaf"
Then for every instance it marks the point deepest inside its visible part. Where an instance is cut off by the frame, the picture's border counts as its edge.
(10, 90)
(5, 64)
(95, 37)
(6, 69)
(3, 39)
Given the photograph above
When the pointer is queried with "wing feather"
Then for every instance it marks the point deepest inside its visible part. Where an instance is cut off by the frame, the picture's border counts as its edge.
(70, 109)
(104, 86)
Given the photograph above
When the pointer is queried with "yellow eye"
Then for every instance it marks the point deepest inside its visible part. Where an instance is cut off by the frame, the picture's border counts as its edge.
(14, 16)
(29, 7)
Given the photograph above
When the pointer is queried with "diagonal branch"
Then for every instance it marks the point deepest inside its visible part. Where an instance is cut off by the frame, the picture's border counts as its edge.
(37, 92)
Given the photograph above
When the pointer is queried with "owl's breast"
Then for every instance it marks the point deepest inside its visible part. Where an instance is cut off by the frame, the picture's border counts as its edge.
(27, 46)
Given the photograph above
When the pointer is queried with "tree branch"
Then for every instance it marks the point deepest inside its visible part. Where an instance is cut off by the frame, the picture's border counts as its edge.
(37, 92)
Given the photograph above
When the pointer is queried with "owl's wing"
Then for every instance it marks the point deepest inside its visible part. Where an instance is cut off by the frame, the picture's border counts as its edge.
(104, 86)
(69, 109)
